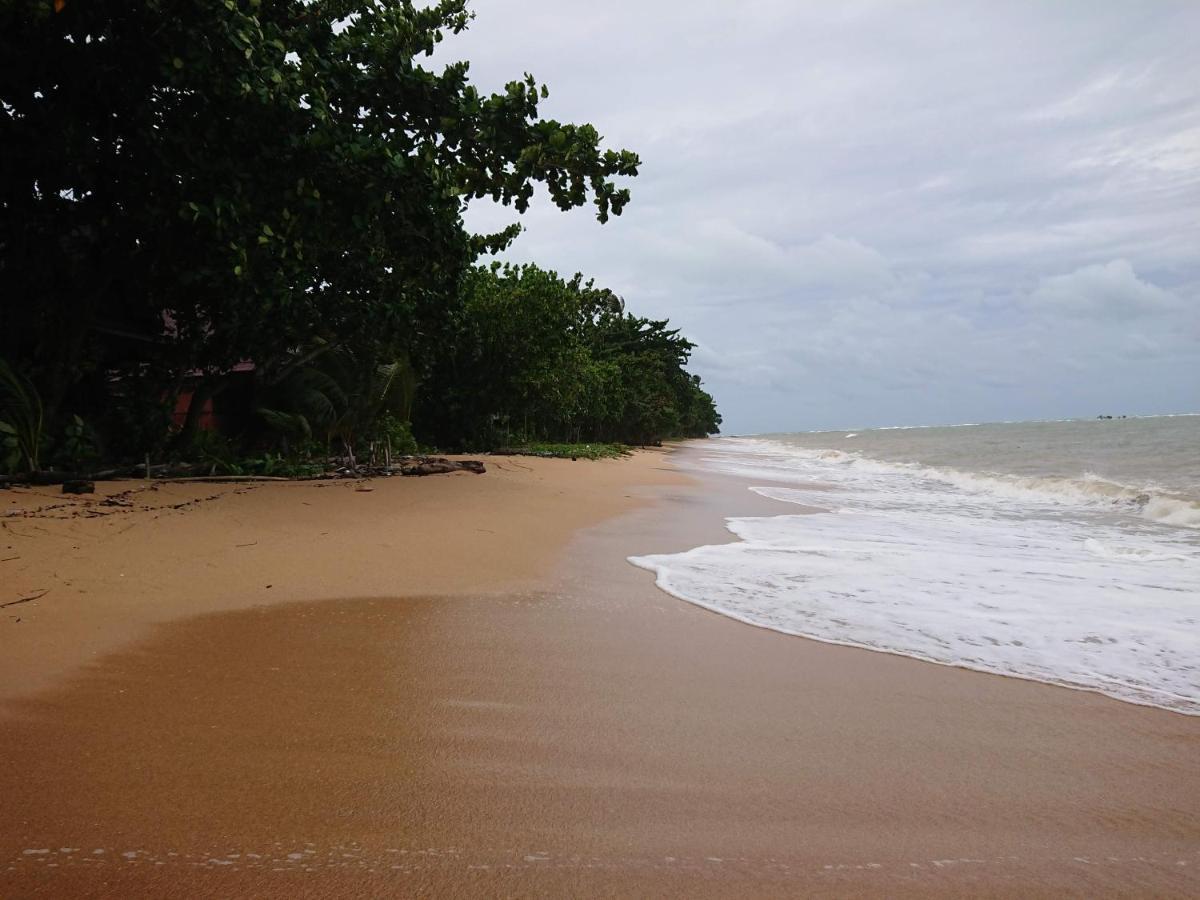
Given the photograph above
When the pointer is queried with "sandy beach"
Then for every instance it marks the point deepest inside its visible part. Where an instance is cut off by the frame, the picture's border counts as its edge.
(458, 686)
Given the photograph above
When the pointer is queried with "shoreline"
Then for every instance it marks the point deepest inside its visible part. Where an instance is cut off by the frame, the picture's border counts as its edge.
(576, 730)
(939, 569)
(917, 657)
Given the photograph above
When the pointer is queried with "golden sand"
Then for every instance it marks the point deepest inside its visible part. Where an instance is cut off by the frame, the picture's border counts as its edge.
(508, 708)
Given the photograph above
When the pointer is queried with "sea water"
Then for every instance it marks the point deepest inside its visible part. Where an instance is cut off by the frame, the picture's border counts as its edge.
(1065, 552)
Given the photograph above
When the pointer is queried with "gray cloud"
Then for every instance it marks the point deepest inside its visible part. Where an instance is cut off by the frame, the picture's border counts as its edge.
(877, 213)
(1112, 290)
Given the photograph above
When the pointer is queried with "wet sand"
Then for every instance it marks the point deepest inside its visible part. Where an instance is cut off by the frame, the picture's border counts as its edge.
(567, 729)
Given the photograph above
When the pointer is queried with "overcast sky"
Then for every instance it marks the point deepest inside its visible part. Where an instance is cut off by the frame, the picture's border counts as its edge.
(873, 213)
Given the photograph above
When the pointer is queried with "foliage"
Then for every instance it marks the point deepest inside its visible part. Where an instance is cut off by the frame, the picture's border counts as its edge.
(79, 444)
(10, 448)
(279, 466)
(21, 419)
(396, 434)
(194, 184)
(224, 457)
(338, 395)
(130, 413)
(573, 451)
(532, 357)
(262, 204)
(300, 401)
(216, 451)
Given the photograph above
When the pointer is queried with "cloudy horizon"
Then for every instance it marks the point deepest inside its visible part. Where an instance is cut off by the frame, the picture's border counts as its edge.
(876, 214)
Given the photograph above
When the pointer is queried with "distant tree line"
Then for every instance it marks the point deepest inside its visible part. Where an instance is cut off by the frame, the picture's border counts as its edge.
(258, 207)
(533, 355)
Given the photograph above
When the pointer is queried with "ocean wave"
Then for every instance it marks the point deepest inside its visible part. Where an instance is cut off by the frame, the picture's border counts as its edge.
(1088, 490)
(768, 434)
(1075, 581)
(778, 462)
(1046, 600)
(920, 427)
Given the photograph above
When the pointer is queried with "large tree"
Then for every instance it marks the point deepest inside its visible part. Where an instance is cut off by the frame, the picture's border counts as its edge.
(194, 183)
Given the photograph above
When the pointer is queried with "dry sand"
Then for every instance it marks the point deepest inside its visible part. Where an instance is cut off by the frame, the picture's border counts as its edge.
(136, 554)
(495, 716)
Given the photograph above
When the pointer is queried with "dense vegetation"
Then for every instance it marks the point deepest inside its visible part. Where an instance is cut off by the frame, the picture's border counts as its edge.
(259, 206)
(530, 354)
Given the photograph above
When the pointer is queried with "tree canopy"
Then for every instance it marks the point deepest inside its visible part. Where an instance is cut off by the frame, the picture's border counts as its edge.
(536, 357)
(194, 184)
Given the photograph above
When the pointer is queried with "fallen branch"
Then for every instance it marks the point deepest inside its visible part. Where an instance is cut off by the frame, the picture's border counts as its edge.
(217, 479)
(181, 473)
(25, 599)
(439, 466)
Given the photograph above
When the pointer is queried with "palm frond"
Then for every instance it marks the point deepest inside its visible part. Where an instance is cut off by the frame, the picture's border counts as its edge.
(21, 408)
(289, 423)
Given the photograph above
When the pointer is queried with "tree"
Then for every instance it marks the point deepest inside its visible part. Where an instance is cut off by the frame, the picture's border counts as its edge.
(530, 356)
(193, 184)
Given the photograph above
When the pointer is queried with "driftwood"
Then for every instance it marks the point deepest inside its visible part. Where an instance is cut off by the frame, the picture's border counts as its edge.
(78, 482)
(408, 465)
(218, 479)
(28, 599)
(53, 477)
(43, 477)
(436, 465)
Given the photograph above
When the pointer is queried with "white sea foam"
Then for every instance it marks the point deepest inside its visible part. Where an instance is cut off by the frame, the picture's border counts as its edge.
(1079, 582)
(762, 459)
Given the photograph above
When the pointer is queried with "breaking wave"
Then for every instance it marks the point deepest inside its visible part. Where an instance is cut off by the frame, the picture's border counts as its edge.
(762, 459)
(1082, 582)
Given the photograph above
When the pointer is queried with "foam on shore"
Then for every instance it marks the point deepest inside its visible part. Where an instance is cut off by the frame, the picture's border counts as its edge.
(1047, 579)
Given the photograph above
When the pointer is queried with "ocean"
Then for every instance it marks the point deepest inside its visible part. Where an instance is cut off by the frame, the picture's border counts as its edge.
(1064, 552)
